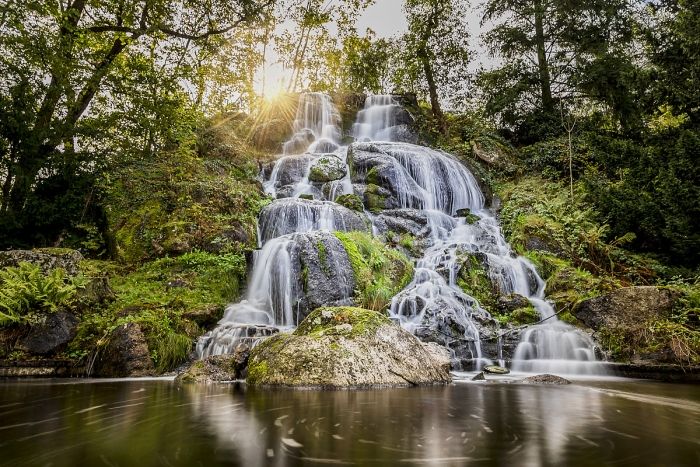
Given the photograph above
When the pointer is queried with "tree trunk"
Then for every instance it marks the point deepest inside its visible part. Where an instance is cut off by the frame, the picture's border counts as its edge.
(542, 65)
(432, 88)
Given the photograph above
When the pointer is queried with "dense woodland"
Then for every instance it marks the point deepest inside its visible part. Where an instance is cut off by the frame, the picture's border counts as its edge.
(133, 131)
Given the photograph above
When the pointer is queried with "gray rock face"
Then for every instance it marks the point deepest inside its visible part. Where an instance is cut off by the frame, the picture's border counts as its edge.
(325, 271)
(510, 303)
(372, 167)
(441, 354)
(125, 355)
(290, 215)
(402, 133)
(46, 258)
(546, 379)
(291, 169)
(56, 330)
(626, 306)
(344, 348)
(327, 168)
(217, 367)
(410, 221)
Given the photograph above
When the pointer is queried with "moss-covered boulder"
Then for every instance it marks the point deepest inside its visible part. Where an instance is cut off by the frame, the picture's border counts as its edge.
(327, 168)
(46, 259)
(345, 348)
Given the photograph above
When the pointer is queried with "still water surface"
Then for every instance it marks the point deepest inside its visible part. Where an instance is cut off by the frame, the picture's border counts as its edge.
(155, 422)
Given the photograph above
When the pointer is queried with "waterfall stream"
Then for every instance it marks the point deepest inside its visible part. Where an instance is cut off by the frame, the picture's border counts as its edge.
(432, 182)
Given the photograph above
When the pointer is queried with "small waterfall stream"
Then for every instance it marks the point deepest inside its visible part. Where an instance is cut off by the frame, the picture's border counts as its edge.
(423, 179)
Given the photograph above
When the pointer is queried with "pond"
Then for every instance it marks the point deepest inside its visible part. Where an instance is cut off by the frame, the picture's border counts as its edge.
(155, 422)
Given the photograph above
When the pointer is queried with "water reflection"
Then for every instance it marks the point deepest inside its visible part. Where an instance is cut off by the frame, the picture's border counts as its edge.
(156, 423)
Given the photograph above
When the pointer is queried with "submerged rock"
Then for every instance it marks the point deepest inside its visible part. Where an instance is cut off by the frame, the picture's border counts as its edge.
(342, 348)
(217, 367)
(546, 379)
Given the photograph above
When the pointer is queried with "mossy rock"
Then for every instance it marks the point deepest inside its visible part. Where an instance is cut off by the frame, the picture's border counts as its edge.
(345, 347)
(351, 201)
(376, 198)
(327, 168)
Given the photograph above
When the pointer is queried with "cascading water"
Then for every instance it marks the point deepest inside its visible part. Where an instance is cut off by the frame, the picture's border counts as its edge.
(418, 178)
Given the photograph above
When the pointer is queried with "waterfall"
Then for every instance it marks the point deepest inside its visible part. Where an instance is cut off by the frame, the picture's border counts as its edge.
(430, 181)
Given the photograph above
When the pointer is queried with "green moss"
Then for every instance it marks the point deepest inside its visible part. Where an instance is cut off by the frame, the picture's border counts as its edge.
(474, 280)
(350, 201)
(329, 321)
(374, 199)
(323, 257)
(257, 371)
(380, 272)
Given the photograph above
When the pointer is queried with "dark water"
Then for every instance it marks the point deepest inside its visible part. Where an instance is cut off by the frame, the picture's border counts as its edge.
(154, 422)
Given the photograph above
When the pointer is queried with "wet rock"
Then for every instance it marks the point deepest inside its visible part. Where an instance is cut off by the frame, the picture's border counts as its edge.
(402, 133)
(299, 142)
(45, 258)
(126, 354)
(217, 367)
(411, 221)
(325, 270)
(292, 169)
(205, 317)
(509, 303)
(381, 173)
(50, 335)
(327, 168)
(467, 214)
(323, 146)
(479, 377)
(290, 215)
(537, 243)
(306, 196)
(323, 353)
(546, 379)
(496, 370)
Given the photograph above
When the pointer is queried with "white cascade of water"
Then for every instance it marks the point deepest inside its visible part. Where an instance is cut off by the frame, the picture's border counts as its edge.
(316, 126)
(437, 183)
(373, 122)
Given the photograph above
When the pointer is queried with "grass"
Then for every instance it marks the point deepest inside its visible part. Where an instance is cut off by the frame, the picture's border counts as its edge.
(380, 272)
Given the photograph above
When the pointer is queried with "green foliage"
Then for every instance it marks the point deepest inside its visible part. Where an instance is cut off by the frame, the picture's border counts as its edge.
(520, 316)
(380, 272)
(540, 213)
(475, 281)
(26, 291)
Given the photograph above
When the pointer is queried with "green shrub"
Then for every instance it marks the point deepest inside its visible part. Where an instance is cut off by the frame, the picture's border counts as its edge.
(26, 289)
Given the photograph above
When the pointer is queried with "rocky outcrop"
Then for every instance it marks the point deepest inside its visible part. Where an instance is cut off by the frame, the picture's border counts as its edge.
(290, 215)
(345, 348)
(46, 258)
(327, 168)
(217, 367)
(126, 354)
(627, 306)
(290, 170)
(52, 333)
(411, 221)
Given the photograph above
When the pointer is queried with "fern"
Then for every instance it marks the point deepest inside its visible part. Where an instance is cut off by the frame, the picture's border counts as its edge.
(25, 289)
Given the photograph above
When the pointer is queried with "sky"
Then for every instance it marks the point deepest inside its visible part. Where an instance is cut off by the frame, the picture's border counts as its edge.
(386, 18)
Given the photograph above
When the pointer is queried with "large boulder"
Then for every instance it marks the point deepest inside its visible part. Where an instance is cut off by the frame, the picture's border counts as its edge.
(125, 355)
(403, 221)
(289, 170)
(626, 307)
(345, 348)
(50, 334)
(45, 258)
(327, 168)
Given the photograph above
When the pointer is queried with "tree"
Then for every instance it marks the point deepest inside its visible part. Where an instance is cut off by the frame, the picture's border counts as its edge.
(70, 66)
(435, 51)
(553, 49)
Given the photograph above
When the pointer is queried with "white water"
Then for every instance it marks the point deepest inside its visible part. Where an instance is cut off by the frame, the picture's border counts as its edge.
(430, 180)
